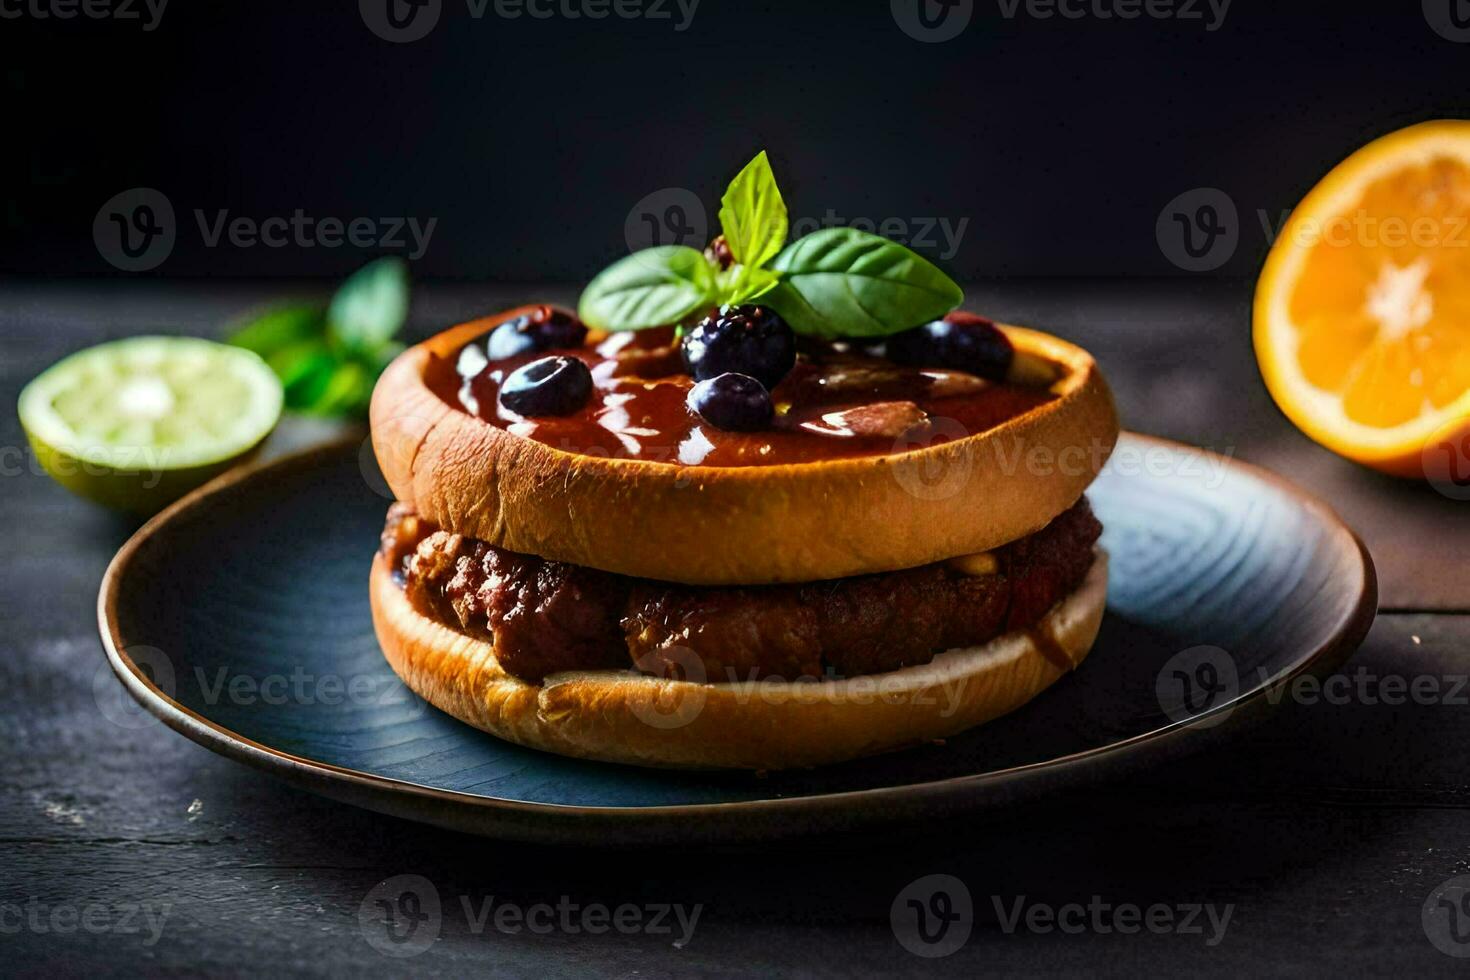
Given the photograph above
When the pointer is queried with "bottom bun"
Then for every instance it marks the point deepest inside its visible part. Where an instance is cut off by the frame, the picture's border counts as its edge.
(624, 716)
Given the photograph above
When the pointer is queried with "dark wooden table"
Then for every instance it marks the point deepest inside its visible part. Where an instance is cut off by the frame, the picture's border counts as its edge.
(1325, 830)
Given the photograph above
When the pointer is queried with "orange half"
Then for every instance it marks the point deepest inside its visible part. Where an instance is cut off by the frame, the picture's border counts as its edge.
(1362, 312)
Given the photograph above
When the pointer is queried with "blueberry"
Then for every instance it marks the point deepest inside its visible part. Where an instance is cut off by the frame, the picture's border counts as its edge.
(749, 340)
(544, 328)
(733, 402)
(550, 386)
(962, 341)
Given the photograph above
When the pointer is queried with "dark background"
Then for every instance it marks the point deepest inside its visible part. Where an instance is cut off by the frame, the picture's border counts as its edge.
(531, 139)
(531, 142)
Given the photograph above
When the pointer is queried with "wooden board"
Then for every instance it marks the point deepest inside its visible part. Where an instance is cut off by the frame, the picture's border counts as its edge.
(1327, 829)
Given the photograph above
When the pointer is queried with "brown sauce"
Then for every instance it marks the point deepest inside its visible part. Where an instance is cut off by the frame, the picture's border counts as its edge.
(835, 404)
(1049, 647)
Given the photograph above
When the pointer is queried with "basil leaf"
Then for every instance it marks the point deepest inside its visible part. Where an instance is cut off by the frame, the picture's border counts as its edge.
(845, 282)
(753, 215)
(650, 288)
(748, 283)
(370, 306)
(279, 328)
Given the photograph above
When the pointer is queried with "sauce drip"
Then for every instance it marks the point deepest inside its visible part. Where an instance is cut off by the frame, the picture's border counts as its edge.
(1050, 647)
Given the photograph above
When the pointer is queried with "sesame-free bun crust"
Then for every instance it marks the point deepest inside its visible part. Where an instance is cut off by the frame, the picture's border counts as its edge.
(623, 716)
(748, 525)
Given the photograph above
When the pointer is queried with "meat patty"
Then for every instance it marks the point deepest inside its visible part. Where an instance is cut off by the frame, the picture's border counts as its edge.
(546, 616)
(543, 616)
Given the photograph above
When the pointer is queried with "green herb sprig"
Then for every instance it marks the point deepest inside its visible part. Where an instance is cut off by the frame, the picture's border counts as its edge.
(328, 357)
(837, 282)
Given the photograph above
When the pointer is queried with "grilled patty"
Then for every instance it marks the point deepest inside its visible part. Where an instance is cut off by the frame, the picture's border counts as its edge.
(548, 616)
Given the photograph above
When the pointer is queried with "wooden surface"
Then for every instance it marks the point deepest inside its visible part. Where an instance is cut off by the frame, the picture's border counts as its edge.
(1326, 829)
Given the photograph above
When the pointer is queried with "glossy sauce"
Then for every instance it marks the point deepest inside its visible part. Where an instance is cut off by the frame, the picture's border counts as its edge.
(643, 415)
(1044, 637)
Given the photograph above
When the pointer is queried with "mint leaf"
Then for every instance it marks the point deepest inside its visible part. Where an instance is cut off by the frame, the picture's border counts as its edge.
(345, 391)
(279, 328)
(845, 282)
(650, 288)
(304, 368)
(370, 306)
(753, 215)
(383, 356)
(329, 357)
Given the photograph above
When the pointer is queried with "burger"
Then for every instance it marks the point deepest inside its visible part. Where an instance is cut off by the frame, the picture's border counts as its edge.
(757, 506)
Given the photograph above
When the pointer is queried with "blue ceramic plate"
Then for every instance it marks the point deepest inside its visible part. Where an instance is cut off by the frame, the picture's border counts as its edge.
(240, 617)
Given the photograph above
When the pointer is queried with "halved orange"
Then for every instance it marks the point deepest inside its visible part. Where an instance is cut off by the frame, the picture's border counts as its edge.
(1362, 312)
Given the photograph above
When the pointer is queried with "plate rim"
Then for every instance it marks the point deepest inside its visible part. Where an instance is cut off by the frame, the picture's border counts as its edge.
(526, 819)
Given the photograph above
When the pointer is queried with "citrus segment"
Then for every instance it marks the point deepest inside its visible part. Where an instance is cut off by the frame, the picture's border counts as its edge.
(136, 423)
(1362, 313)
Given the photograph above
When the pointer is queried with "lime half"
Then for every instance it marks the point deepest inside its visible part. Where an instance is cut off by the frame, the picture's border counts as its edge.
(137, 423)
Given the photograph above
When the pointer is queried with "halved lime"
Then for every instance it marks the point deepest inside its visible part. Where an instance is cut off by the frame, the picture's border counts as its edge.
(137, 423)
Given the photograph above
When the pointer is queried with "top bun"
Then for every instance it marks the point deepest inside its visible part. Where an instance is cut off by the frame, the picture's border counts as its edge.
(746, 525)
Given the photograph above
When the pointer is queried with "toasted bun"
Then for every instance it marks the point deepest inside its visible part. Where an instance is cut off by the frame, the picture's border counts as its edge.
(622, 716)
(711, 525)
